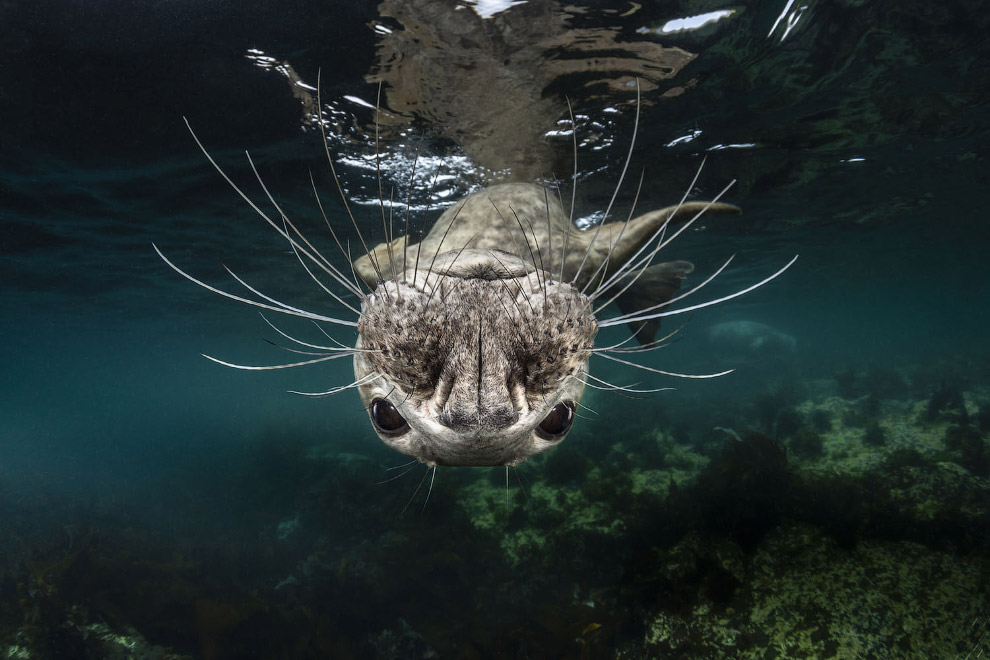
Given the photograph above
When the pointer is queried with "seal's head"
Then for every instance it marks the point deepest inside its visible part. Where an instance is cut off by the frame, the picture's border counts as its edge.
(479, 360)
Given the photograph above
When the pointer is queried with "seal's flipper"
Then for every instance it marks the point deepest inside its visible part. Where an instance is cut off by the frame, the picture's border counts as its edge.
(618, 242)
(657, 284)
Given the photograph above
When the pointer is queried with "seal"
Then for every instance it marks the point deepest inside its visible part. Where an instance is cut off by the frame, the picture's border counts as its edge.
(478, 338)
(474, 343)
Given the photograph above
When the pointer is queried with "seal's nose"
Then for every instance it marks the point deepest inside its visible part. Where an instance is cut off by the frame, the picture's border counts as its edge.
(488, 418)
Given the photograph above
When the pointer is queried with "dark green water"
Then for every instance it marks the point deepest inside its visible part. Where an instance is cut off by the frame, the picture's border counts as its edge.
(828, 499)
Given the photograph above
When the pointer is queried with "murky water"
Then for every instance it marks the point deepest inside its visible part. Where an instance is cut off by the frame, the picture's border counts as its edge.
(827, 499)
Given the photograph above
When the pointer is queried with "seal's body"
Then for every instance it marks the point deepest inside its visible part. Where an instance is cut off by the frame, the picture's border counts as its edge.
(475, 341)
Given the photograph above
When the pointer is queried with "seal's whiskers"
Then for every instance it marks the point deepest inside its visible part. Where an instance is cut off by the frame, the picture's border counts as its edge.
(409, 466)
(624, 388)
(671, 312)
(340, 187)
(661, 371)
(271, 367)
(280, 308)
(429, 468)
(337, 390)
(459, 362)
(615, 193)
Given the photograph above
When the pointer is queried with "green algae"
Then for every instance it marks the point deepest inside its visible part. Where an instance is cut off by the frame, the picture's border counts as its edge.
(805, 597)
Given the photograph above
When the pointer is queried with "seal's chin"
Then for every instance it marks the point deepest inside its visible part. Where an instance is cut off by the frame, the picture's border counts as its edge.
(476, 448)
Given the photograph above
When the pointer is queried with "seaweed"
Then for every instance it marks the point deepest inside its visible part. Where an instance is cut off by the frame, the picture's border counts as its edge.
(866, 410)
(566, 465)
(874, 435)
(743, 491)
(982, 419)
(787, 423)
(884, 383)
(975, 457)
(900, 458)
(947, 403)
(821, 420)
(769, 405)
(846, 382)
(968, 441)
(806, 443)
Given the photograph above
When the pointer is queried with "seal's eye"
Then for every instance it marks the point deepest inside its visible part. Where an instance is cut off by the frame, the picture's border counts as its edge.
(558, 422)
(387, 419)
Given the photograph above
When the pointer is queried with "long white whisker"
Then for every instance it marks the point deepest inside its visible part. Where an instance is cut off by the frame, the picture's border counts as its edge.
(430, 490)
(519, 478)
(645, 348)
(401, 465)
(667, 303)
(574, 175)
(422, 225)
(259, 293)
(319, 283)
(637, 267)
(245, 367)
(415, 491)
(312, 253)
(660, 371)
(405, 232)
(429, 271)
(251, 203)
(585, 407)
(661, 231)
(356, 288)
(549, 271)
(282, 310)
(327, 335)
(400, 475)
(617, 348)
(307, 344)
(618, 185)
(541, 272)
(671, 312)
(381, 196)
(336, 390)
(624, 388)
(340, 187)
(603, 266)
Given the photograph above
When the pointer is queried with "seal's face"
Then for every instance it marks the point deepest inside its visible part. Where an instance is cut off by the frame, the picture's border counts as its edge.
(479, 361)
